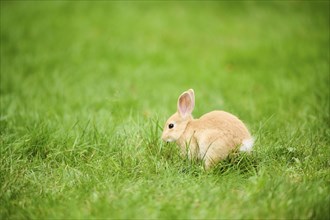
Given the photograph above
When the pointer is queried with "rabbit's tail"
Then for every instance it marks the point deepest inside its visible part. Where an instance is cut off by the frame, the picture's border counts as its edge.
(247, 145)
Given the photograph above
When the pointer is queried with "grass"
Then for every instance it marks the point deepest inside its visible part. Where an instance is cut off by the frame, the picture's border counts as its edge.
(86, 88)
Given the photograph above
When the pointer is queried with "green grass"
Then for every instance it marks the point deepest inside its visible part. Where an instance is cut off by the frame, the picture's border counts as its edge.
(86, 88)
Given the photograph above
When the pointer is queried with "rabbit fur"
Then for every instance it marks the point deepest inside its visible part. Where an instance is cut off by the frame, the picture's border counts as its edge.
(210, 138)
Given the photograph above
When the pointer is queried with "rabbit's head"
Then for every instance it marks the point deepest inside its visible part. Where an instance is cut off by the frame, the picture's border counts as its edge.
(177, 123)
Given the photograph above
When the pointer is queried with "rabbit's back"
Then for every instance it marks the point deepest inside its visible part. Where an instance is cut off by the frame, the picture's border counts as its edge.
(224, 122)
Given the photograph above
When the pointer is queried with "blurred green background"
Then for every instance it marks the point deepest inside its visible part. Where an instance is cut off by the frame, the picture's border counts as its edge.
(87, 86)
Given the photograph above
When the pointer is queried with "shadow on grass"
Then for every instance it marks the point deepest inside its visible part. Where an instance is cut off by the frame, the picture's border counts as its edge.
(243, 163)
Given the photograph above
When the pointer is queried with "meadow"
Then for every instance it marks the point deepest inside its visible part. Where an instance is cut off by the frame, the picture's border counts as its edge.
(86, 88)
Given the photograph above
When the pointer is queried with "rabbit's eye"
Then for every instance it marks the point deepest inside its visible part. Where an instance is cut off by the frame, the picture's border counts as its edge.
(170, 126)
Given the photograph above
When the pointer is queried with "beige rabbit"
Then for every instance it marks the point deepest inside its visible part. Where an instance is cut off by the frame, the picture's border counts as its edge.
(211, 137)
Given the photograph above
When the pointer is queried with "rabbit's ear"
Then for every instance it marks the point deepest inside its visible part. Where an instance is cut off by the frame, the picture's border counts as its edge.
(192, 95)
(186, 103)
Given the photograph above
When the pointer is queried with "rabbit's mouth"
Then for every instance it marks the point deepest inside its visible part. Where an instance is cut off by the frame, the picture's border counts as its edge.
(168, 140)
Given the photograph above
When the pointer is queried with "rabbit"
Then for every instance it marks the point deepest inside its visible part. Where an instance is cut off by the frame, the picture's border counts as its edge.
(210, 138)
